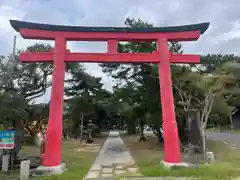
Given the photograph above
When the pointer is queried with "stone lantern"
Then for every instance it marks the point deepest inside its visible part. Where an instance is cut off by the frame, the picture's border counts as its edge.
(90, 127)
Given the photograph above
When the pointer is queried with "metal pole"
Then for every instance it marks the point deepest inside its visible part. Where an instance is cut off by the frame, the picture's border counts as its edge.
(14, 47)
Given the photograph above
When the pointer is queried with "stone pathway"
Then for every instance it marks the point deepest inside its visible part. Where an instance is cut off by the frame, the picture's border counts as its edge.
(113, 160)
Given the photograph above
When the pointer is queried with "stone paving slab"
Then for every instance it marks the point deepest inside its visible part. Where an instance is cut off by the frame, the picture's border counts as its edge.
(120, 172)
(107, 170)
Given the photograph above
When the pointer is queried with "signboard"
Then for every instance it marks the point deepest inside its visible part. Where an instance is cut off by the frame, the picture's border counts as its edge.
(7, 139)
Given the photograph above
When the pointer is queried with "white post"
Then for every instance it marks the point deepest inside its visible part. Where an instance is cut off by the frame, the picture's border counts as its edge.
(5, 162)
(24, 170)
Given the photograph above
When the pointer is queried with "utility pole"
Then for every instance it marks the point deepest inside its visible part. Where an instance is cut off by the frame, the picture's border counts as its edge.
(12, 60)
(14, 47)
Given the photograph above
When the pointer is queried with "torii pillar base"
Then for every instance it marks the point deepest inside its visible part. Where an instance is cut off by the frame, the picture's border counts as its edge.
(173, 165)
(47, 171)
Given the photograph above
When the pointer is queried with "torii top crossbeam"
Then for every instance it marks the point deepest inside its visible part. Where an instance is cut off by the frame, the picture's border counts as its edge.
(59, 55)
(48, 32)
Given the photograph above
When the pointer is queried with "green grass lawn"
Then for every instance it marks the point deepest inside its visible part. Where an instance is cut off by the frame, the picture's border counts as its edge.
(78, 163)
(149, 154)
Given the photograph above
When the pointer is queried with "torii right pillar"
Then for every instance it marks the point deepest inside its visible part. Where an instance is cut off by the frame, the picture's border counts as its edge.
(170, 130)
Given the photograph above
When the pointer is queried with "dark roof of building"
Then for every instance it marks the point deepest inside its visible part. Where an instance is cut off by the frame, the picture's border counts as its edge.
(202, 27)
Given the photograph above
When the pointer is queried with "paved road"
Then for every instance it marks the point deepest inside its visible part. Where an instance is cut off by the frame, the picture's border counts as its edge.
(224, 136)
(227, 137)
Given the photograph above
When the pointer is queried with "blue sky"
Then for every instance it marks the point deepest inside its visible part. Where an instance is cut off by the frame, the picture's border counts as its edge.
(223, 35)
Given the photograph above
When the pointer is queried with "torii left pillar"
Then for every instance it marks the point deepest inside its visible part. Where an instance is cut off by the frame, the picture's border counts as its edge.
(52, 154)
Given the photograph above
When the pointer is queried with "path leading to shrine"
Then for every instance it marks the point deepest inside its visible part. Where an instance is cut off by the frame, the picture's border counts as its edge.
(114, 159)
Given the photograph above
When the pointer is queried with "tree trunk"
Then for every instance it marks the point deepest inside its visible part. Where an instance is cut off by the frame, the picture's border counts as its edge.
(70, 132)
(142, 137)
(109, 124)
(209, 100)
(159, 136)
(18, 138)
(65, 133)
(183, 128)
(231, 123)
(203, 139)
(131, 128)
(81, 131)
(158, 133)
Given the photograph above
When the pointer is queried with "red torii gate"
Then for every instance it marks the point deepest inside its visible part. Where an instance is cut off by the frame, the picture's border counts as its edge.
(59, 55)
